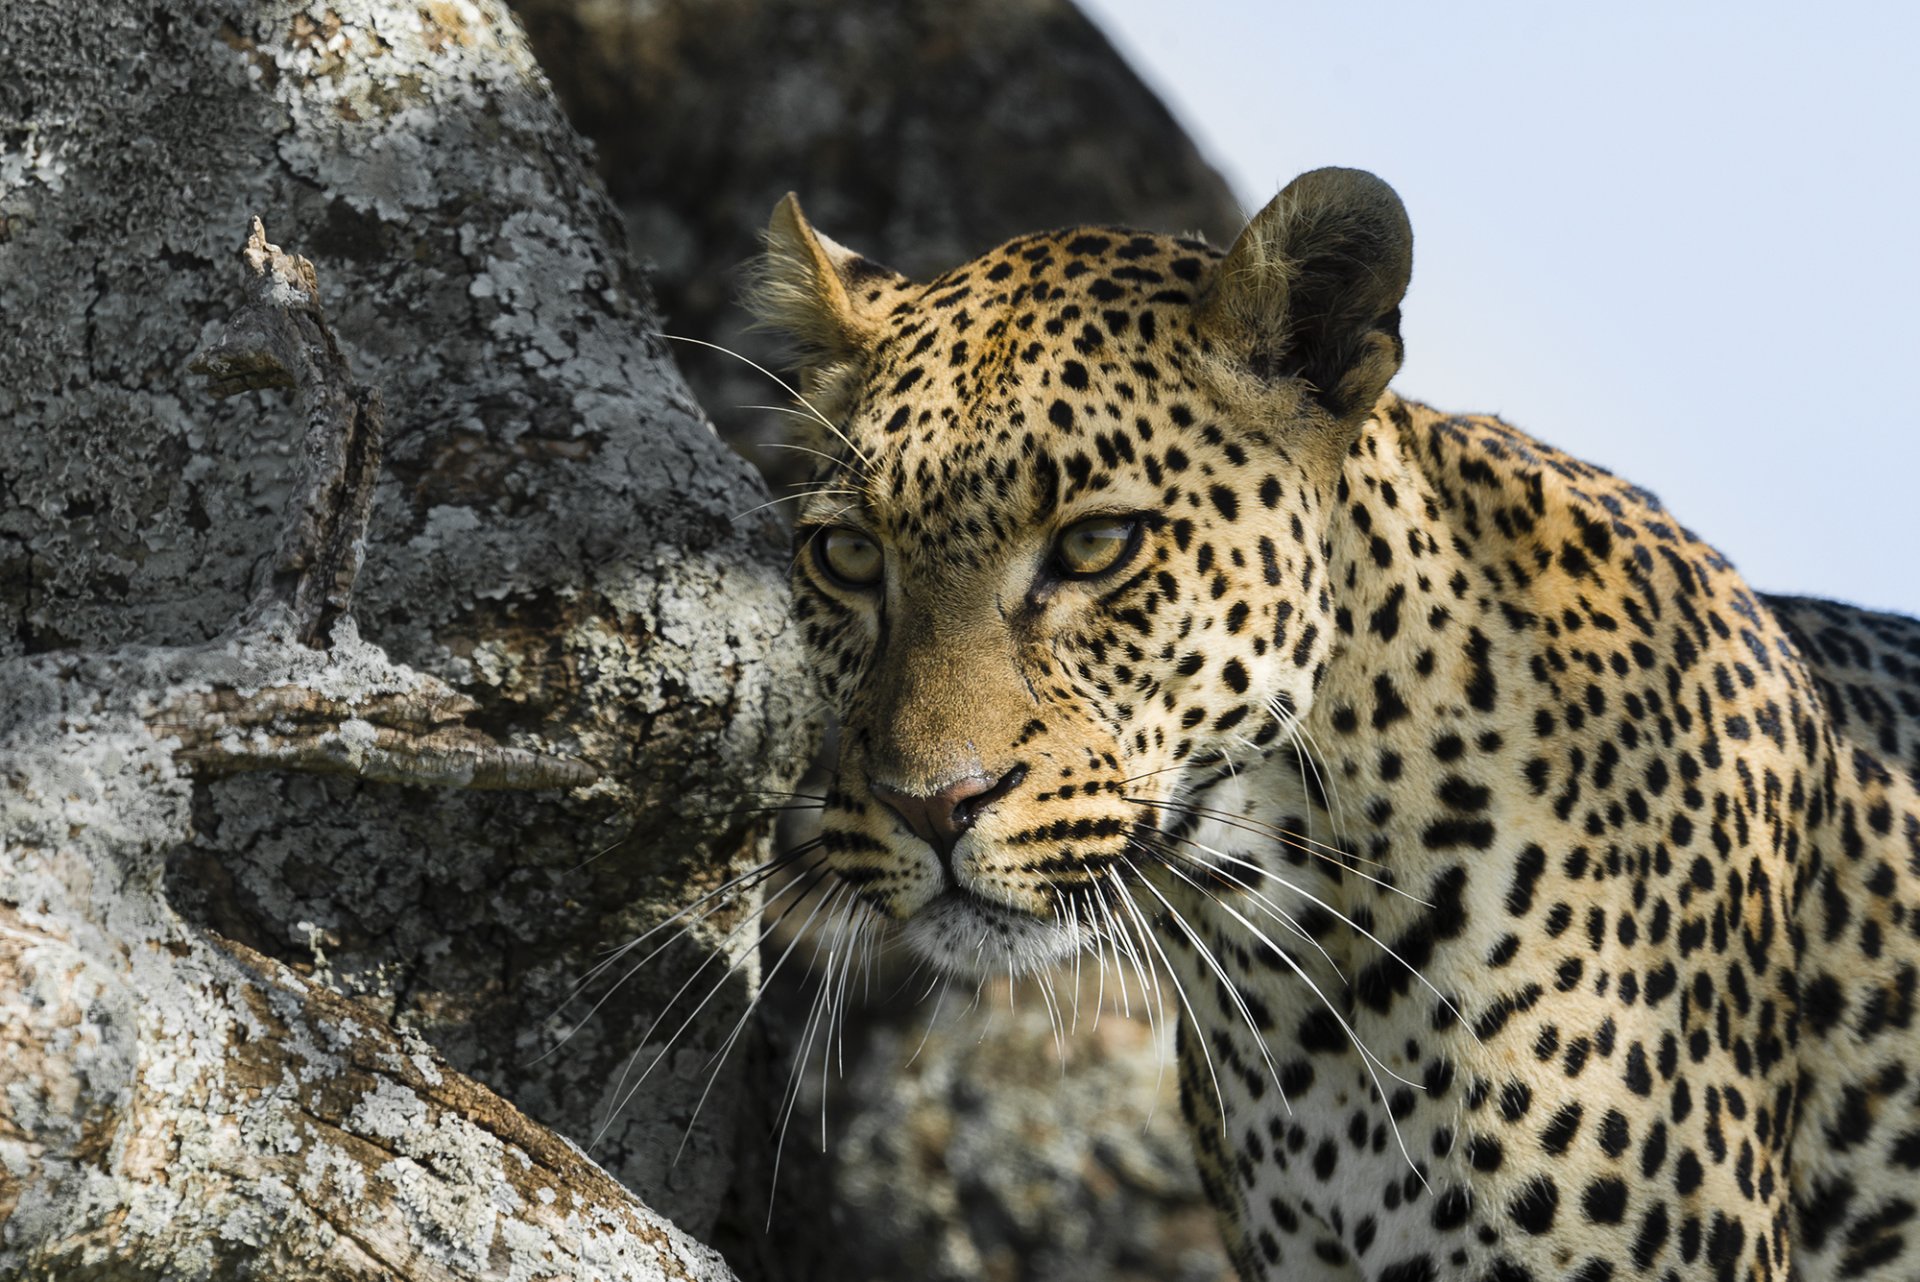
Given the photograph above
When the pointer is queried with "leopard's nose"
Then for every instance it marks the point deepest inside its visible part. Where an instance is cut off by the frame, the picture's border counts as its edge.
(938, 818)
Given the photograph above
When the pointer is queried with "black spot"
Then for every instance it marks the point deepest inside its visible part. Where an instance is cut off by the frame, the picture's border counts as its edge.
(1320, 1033)
(1614, 1135)
(1074, 375)
(1415, 1268)
(1823, 1003)
(1559, 1133)
(1652, 1239)
(1388, 706)
(1687, 1173)
(1605, 1201)
(1223, 499)
(1724, 1244)
(1385, 621)
(1823, 1210)
(1480, 683)
(1526, 873)
(1457, 793)
(1451, 1208)
(1638, 1077)
(1506, 1270)
(1450, 834)
(1534, 1207)
(1269, 563)
(1060, 414)
(1906, 1150)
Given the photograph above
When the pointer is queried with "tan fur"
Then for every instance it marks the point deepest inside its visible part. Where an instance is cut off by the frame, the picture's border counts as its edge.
(1537, 902)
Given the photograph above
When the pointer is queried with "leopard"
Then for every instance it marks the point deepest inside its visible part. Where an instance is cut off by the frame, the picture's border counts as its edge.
(1533, 898)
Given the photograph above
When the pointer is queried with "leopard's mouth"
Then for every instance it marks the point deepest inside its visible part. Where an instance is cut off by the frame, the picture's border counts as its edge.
(966, 934)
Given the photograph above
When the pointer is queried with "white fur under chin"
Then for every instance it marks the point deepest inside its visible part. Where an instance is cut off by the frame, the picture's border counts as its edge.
(974, 939)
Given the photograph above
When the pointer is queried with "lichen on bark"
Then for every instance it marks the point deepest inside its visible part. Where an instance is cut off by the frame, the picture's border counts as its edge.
(551, 544)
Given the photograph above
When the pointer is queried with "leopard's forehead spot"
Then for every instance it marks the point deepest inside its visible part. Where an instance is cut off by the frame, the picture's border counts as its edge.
(1042, 375)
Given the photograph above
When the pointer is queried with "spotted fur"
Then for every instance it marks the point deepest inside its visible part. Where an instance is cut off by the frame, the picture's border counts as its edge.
(1543, 902)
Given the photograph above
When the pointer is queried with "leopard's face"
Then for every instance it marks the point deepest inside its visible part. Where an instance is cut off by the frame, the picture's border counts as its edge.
(1062, 567)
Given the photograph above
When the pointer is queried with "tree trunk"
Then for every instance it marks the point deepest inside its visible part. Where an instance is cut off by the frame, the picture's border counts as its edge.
(920, 134)
(555, 592)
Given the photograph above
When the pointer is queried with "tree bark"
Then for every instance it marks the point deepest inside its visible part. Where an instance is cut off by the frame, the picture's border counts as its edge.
(920, 134)
(559, 593)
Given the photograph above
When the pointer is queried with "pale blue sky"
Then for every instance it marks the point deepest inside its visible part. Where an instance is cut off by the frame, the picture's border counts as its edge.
(1680, 240)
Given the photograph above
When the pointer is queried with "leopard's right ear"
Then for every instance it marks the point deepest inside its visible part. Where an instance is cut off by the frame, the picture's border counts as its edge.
(825, 297)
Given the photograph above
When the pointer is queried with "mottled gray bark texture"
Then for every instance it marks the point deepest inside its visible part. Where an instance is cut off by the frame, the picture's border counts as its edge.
(553, 565)
(175, 1106)
(920, 134)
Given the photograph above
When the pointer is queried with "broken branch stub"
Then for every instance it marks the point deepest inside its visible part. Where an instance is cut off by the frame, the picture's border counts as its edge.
(398, 725)
(280, 338)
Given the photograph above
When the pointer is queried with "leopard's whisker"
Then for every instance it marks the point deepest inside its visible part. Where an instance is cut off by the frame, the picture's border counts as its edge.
(741, 884)
(1282, 837)
(1115, 939)
(718, 1058)
(833, 1045)
(1266, 905)
(1340, 916)
(1220, 972)
(1043, 981)
(1308, 845)
(1099, 956)
(1180, 992)
(818, 417)
(1156, 1024)
(933, 1018)
(784, 498)
(1304, 762)
(786, 792)
(1073, 929)
(791, 1095)
(622, 1094)
(1370, 1061)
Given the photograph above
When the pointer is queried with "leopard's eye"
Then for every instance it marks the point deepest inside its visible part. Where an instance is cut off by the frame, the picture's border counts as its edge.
(1097, 545)
(848, 557)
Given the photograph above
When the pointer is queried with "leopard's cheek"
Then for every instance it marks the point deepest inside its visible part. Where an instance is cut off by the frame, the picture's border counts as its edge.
(839, 638)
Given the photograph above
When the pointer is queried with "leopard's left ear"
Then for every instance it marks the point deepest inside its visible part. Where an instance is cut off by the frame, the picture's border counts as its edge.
(824, 296)
(1311, 290)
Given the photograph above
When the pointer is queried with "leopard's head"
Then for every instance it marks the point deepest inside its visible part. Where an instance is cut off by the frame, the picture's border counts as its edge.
(1063, 556)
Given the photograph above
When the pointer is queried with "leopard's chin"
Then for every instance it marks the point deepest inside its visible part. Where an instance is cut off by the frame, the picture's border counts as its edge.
(972, 937)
